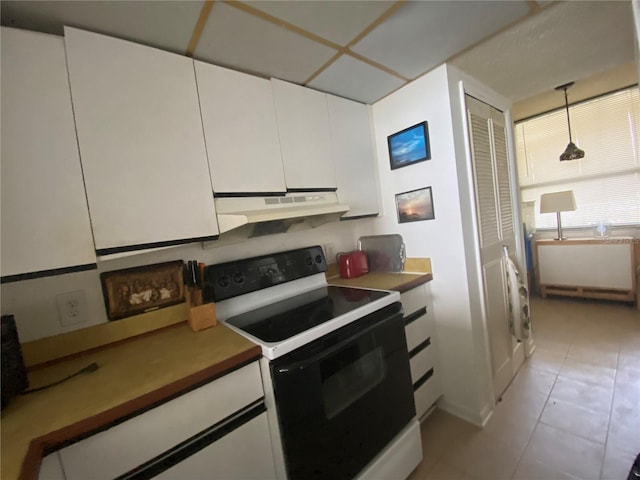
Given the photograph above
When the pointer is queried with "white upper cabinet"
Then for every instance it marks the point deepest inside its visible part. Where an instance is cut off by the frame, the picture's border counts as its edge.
(305, 137)
(141, 143)
(354, 158)
(45, 221)
(239, 120)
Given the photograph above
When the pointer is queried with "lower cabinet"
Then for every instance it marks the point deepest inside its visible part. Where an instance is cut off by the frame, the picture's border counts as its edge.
(218, 430)
(420, 332)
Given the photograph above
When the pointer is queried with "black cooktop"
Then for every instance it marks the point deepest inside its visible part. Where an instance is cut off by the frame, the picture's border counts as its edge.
(287, 318)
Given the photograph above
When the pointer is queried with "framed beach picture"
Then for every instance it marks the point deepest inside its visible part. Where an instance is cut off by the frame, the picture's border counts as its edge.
(415, 205)
(409, 146)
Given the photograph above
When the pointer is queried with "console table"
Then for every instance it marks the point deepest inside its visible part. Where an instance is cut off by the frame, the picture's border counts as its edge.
(587, 267)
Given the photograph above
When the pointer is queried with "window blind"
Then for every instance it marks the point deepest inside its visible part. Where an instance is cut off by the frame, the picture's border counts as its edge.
(606, 182)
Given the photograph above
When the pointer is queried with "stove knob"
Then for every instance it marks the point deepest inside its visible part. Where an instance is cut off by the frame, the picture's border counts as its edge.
(238, 277)
(308, 260)
(318, 258)
(224, 281)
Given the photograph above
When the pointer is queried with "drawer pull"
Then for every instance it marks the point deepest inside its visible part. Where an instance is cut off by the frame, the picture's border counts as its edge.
(421, 381)
(414, 316)
(420, 347)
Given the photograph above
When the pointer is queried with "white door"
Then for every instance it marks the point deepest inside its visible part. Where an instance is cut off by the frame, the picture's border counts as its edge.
(45, 219)
(355, 163)
(305, 137)
(496, 230)
(239, 121)
(141, 143)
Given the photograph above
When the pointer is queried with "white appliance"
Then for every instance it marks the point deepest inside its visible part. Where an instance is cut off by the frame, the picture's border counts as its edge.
(335, 366)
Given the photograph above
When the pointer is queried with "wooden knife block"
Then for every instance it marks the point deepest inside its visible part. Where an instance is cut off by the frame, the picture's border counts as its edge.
(200, 316)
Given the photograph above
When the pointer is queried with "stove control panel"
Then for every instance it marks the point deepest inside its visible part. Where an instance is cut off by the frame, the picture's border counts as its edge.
(231, 279)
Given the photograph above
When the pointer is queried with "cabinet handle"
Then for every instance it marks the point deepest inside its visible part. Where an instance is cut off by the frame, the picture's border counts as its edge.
(420, 347)
(191, 446)
(414, 316)
(421, 381)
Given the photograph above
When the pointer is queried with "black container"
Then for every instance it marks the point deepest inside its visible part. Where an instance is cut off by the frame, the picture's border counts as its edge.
(14, 375)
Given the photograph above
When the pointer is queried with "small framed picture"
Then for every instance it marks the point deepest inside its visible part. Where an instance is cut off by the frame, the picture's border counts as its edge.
(415, 205)
(409, 146)
(137, 290)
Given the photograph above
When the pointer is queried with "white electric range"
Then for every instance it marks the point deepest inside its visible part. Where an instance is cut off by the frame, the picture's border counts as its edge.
(335, 366)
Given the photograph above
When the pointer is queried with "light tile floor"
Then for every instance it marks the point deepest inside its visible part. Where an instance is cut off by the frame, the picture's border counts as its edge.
(572, 412)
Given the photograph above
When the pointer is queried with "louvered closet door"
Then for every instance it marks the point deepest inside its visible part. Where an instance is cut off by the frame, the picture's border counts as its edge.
(495, 226)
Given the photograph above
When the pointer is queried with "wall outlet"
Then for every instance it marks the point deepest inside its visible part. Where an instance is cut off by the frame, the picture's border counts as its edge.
(72, 308)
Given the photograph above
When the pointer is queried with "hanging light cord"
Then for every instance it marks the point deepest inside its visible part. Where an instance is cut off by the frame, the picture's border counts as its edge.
(566, 102)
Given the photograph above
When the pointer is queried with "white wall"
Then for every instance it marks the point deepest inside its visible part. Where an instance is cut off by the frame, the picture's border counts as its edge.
(441, 239)
(33, 302)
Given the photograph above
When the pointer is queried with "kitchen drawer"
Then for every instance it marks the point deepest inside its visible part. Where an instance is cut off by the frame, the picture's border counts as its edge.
(243, 454)
(125, 446)
(413, 300)
(419, 329)
(422, 360)
(427, 392)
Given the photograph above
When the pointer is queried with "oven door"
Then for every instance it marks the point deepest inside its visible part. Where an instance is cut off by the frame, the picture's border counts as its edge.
(342, 398)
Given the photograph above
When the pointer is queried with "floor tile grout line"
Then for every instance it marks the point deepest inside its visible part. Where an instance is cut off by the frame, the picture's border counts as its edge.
(613, 397)
(536, 425)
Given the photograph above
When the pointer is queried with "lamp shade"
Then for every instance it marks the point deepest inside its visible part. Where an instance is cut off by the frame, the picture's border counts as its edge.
(557, 202)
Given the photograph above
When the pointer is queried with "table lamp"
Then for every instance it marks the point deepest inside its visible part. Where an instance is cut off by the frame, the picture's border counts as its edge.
(558, 202)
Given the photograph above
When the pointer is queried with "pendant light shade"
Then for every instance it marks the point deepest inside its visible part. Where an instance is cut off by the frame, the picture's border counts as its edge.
(572, 152)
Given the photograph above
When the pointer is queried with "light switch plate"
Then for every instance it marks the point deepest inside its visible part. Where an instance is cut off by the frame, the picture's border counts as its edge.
(72, 308)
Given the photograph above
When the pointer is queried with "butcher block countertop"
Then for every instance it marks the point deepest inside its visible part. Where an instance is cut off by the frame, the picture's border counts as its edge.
(417, 271)
(132, 374)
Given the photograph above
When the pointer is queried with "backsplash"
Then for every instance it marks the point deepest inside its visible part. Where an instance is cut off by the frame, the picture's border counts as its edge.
(33, 302)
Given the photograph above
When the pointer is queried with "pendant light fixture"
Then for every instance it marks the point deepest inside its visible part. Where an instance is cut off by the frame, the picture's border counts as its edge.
(572, 152)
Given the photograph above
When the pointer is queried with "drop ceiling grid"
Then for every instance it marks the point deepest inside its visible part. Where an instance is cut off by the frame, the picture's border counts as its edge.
(339, 22)
(421, 35)
(167, 25)
(240, 40)
(351, 78)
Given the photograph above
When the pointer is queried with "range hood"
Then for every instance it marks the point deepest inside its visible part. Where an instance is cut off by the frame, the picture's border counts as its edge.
(248, 217)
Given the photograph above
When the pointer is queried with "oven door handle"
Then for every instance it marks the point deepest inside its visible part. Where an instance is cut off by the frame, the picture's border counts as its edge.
(302, 364)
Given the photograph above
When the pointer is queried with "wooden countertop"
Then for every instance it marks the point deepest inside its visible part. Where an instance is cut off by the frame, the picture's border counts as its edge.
(132, 375)
(417, 272)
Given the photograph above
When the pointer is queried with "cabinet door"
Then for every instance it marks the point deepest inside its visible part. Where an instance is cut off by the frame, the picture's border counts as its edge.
(305, 137)
(353, 156)
(141, 143)
(239, 120)
(45, 220)
(243, 454)
(125, 446)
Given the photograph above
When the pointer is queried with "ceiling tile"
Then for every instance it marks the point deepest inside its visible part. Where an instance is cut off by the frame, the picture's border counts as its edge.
(351, 78)
(339, 22)
(541, 53)
(422, 35)
(239, 40)
(167, 25)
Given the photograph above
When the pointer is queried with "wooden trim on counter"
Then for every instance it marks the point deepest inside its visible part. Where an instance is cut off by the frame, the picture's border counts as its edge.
(416, 282)
(54, 440)
(50, 349)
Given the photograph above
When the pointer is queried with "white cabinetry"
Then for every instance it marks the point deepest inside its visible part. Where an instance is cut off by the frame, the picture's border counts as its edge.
(305, 137)
(141, 143)
(587, 267)
(420, 332)
(353, 156)
(200, 421)
(239, 120)
(45, 220)
(51, 468)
